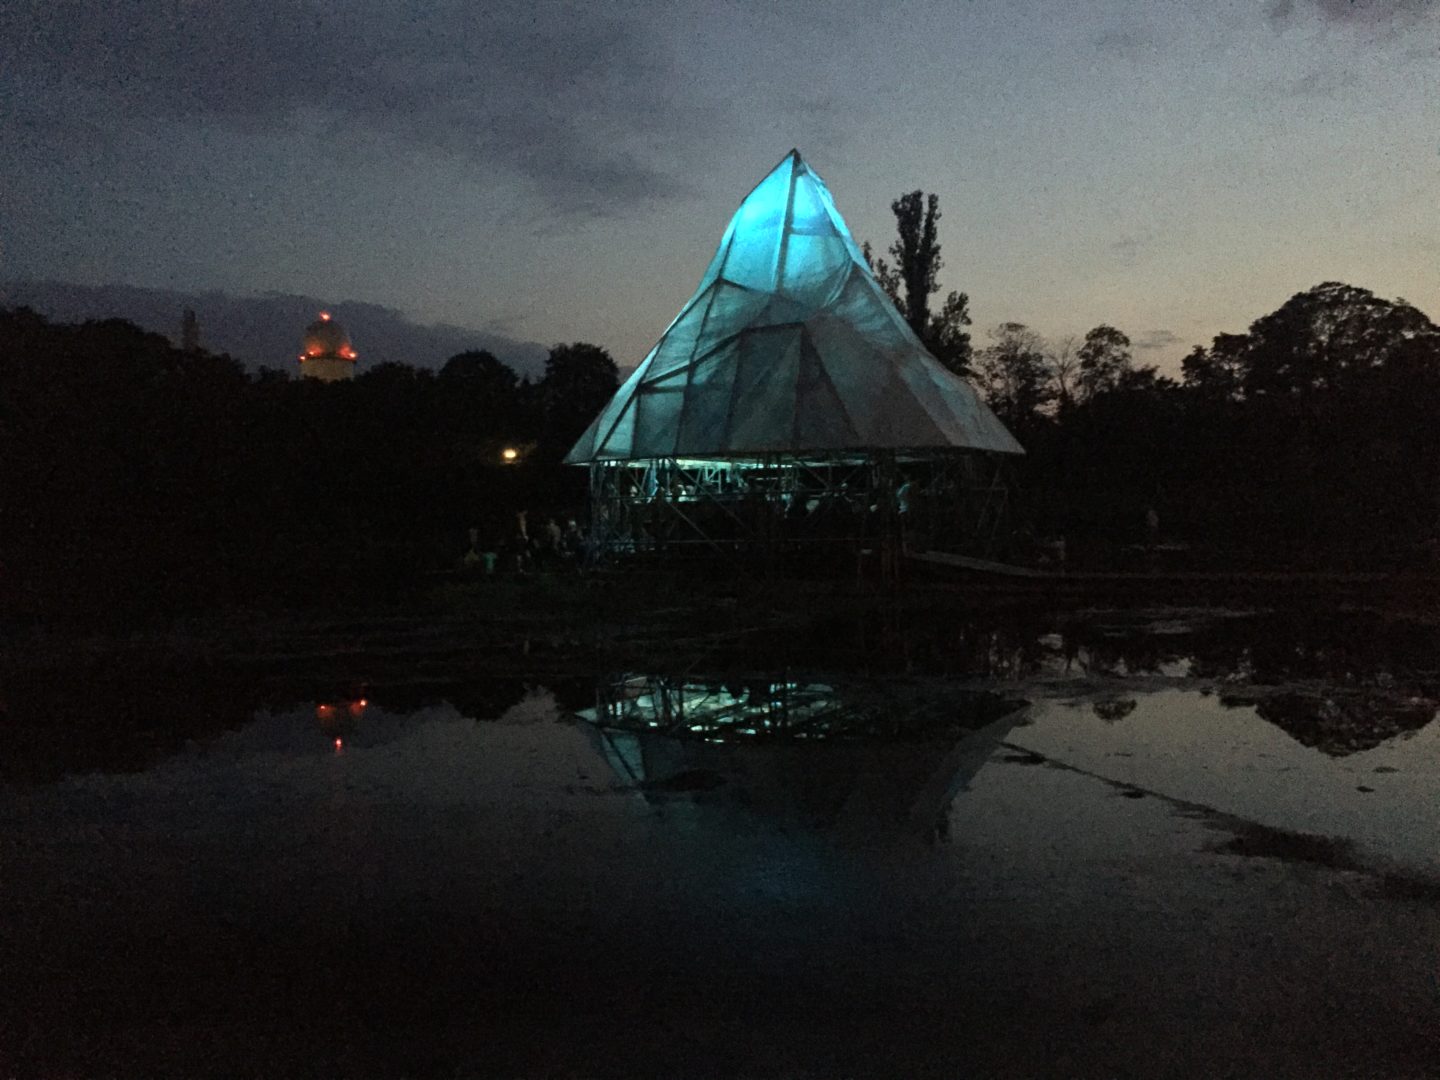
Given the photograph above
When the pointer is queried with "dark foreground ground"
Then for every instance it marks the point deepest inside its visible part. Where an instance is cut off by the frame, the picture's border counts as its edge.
(1207, 847)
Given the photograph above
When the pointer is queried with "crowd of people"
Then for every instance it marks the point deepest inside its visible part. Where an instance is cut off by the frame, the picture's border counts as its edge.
(522, 549)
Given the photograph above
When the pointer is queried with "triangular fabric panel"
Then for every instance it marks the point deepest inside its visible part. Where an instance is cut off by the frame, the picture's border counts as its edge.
(821, 422)
(789, 345)
(707, 397)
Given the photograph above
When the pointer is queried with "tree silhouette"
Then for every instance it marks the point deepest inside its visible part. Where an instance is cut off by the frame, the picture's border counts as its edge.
(1104, 361)
(1326, 338)
(480, 368)
(913, 278)
(579, 380)
(140, 478)
(1014, 375)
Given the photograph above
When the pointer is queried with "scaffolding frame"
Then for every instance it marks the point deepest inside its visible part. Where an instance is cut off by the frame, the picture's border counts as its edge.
(769, 505)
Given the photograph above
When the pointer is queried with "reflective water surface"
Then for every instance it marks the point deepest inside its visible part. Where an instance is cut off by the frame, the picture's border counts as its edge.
(1122, 857)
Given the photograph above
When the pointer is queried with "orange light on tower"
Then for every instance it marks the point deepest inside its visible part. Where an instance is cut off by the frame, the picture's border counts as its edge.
(326, 351)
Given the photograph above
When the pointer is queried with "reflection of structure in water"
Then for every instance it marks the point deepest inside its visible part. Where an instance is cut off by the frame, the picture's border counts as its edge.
(330, 713)
(806, 752)
(1112, 709)
(335, 718)
(749, 707)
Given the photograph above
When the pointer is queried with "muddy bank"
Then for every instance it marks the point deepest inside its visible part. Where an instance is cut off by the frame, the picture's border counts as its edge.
(595, 614)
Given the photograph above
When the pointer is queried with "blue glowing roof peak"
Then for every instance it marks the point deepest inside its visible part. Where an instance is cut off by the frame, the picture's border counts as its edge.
(789, 344)
(786, 237)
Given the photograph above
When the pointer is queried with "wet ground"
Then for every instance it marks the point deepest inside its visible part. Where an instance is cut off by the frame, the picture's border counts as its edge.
(1103, 844)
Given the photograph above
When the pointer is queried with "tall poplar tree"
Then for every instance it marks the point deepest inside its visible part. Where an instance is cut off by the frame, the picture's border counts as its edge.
(913, 279)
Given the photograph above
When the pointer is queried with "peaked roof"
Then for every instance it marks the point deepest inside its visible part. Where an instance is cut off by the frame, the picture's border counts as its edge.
(789, 345)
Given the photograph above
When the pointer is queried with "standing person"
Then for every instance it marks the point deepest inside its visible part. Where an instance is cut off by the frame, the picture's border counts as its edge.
(553, 538)
(574, 541)
(520, 543)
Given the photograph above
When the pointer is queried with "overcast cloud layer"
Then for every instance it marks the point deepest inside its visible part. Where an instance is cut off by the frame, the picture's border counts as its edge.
(562, 172)
(574, 105)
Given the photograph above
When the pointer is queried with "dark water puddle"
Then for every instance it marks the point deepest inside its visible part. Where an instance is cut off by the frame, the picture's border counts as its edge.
(882, 729)
(816, 752)
(1343, 683)
(1203, 754)
(378, 876)
(116, 719)
(1352, 648)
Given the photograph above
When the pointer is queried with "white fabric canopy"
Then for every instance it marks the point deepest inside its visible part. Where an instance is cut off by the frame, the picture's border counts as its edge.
(789, 346)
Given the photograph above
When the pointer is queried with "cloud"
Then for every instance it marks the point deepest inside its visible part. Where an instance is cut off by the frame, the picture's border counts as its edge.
(1129, 43)
(1129, 249)
(1322, 83)
(1280, 12)
(578, 101)
(1375, 13)
(1156, 339)
(264, 331)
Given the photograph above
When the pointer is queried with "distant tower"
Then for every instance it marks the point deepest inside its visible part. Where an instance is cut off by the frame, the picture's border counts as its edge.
(325, 351)
(189, 332)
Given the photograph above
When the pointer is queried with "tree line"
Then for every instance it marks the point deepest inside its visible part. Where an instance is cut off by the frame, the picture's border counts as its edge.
(139, 476)
(1308, 441)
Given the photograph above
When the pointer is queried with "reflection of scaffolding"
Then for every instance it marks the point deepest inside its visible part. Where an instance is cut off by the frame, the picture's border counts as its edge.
(954, 501)
(749, 708)
(858, 761)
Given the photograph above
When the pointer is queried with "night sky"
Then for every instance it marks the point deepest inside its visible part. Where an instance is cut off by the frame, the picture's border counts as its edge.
(550, 172)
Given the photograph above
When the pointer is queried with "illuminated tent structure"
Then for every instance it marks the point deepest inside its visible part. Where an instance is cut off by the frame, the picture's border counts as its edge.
(790, 401)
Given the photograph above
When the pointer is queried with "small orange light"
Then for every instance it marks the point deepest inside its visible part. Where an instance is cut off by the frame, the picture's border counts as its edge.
(339, 745)
(324, 316)
(509, 453)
